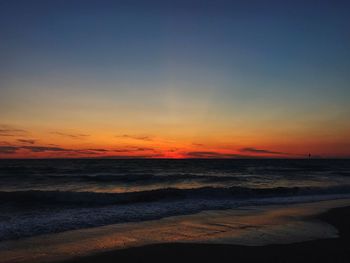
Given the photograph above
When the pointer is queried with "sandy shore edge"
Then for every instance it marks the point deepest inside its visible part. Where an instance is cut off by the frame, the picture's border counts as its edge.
(325, 250)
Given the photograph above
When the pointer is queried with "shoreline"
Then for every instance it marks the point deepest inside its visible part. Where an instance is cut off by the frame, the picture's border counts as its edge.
(249, 227)
(320, 250)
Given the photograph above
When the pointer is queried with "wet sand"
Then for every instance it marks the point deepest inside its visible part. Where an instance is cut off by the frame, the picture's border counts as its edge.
(325, 250)
(270, 233)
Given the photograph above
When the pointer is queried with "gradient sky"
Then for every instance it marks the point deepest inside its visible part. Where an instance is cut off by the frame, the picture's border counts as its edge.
(174, 78)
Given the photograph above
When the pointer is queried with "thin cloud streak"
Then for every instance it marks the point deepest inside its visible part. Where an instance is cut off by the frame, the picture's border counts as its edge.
(11, 149)
(71, 135)
(98, 150)
(8, 149)
(26, 141)
(131, 156)
(133, 149)
(6, 130)
(135, 137)
(213, 155)
(44, 149)
(261, 151)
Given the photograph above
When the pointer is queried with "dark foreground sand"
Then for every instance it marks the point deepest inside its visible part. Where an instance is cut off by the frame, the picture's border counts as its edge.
(326, 250)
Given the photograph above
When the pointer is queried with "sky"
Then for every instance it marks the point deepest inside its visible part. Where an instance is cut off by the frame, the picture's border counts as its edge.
(174, 79)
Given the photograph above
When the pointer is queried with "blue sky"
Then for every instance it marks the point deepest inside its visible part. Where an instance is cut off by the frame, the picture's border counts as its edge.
(244, 62)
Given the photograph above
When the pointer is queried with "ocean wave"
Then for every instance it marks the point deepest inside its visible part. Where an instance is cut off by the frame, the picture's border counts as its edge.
(54, 211)
(127, 177)
(26, 223)
(47, 196)
(33, 197)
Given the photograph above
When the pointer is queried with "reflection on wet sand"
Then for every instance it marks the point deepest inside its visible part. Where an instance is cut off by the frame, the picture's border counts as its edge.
(249, 226)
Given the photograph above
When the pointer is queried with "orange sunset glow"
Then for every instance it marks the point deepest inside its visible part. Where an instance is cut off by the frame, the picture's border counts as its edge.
(175, 143)
(174, 131)
(173, 85)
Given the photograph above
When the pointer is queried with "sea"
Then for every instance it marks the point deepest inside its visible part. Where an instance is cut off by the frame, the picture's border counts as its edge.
(55, 195)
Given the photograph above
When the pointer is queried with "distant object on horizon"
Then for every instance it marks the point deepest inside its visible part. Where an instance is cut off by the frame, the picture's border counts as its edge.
(309, 155)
